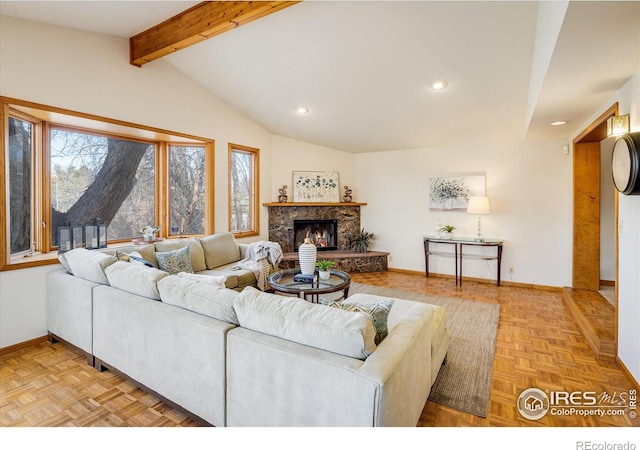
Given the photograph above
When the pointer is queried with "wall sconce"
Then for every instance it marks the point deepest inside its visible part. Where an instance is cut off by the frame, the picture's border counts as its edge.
(618, 125)
(479, 206)
(69, 237)
(96, 234)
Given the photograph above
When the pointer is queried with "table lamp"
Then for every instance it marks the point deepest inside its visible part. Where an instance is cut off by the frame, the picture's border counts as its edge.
(479, 206)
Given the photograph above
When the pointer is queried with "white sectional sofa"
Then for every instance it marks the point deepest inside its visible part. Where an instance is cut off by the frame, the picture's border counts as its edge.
(245, 357)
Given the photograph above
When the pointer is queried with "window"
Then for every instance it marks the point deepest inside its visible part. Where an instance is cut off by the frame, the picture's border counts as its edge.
(101, 177)
(20, 155)
(62, 166)
(186, 190)
(243, 190)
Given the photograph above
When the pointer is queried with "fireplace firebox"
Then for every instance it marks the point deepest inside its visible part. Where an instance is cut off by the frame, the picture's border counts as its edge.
(323, 233)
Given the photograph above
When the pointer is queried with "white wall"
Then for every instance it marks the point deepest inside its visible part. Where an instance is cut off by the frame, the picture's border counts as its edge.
(628, 99)
(528, 185)
(90, 73)
(291, 155)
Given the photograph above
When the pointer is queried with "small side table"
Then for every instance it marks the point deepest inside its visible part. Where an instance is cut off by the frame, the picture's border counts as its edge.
(458, 253)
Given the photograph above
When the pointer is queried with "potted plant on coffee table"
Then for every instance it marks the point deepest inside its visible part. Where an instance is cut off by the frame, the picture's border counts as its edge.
(323, 268)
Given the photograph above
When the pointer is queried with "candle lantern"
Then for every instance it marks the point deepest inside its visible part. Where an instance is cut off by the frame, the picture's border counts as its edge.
(65, 238)
(96, 234)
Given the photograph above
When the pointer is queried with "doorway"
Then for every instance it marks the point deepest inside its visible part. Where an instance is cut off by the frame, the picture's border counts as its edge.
(587, 169)
(596, 317)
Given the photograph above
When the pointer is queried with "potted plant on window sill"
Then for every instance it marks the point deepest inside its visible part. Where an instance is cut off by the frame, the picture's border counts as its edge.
(447, 231)
(323, 268)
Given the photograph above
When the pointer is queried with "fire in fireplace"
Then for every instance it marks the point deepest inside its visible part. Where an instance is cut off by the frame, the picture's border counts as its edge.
(323, 233)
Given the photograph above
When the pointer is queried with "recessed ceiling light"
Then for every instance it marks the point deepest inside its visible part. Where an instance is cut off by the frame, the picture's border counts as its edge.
(438, 85)
(558, 123)
(302, 110)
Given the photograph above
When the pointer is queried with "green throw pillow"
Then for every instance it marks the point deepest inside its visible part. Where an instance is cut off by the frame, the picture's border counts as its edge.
(378, 311)
(175, 261)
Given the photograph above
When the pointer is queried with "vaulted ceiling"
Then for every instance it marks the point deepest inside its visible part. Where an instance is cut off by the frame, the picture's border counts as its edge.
(363, 68)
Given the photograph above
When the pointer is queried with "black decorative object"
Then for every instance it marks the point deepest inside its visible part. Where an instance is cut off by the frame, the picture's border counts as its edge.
(96, 234)
(65, 238)
(347, 195)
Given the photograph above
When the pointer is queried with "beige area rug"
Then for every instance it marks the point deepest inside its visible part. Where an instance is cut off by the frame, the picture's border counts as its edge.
(464, 382)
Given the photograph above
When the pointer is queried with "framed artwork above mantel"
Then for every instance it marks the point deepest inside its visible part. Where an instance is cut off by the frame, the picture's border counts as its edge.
(315, 187)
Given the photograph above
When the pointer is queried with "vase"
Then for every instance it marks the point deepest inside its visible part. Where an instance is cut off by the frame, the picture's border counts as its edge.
(447, 235)
(307, 254)
(324, 274)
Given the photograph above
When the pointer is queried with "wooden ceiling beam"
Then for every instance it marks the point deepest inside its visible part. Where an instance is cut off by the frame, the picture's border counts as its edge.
(196, 24)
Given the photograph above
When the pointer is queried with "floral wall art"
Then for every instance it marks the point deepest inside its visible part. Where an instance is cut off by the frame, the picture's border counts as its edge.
(452, 192)
(315, 187)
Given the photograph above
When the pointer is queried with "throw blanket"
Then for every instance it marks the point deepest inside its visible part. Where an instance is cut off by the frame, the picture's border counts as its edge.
(262, 257)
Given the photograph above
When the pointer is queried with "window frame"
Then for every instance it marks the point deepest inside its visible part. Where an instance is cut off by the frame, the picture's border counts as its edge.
(44, 117)
(255, 189)
(208, 184)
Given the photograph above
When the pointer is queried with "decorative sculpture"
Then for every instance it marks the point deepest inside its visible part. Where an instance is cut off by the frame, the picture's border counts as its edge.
(347, 195)
(282, 198)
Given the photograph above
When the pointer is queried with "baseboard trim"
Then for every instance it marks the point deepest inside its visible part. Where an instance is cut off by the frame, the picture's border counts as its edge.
(21, 345)
(607, 283)
(480, 280)
(627, 372)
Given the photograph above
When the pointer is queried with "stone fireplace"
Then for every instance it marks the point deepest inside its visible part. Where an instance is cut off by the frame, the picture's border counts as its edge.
(318, 217)
(282, 223)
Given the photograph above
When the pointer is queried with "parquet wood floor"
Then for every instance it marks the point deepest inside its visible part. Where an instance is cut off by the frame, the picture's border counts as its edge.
(538, 345)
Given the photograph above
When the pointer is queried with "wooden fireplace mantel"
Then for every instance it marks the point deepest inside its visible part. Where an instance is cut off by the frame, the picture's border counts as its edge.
(314, 204)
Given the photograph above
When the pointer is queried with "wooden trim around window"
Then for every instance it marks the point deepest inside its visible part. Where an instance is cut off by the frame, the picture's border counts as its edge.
(255, 188)
(45, 116)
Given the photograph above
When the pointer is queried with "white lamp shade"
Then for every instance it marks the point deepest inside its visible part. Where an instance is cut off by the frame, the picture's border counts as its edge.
(479, 205)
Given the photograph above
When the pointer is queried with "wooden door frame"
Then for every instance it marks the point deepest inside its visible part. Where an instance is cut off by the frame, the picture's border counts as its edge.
(585, 260)
(594, 133)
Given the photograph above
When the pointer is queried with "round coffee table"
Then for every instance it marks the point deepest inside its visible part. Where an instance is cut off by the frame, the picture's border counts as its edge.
(282, 281)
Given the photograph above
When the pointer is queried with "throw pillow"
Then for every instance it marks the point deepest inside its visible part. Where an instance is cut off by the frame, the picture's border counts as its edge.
(176, 261)
(379, 312)
(137, 258)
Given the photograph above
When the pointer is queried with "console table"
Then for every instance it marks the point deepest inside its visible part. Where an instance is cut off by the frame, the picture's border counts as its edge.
(458, 252)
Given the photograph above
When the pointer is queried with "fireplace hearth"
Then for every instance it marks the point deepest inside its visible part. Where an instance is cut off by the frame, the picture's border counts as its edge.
(323, 233)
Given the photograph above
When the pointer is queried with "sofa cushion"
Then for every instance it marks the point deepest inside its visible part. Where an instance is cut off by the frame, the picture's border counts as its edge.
(378, 311)
(135, 278)
(195, 246)
(199, 296)
(217, 281)
(236, 277)
(89, 265)
(306, 323)
(220, 249)
(175, 261)
(146, 251)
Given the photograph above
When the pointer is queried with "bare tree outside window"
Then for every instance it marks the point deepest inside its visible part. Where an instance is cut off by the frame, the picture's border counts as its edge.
(242, 186)
(94, 176)
(186, 196)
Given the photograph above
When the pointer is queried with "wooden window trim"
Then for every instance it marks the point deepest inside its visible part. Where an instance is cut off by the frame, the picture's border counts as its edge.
(255, 183)
(38, 114)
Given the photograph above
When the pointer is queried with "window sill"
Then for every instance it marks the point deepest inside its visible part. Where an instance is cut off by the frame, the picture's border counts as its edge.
(35, 260)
